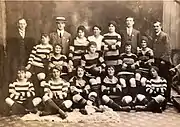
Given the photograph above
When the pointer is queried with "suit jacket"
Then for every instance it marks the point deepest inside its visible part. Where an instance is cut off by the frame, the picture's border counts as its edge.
(134, 39)
(19, 48)
(64, 41)
(161, 46)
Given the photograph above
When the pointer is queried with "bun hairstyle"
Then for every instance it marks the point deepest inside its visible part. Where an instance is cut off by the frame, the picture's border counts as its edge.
(112, 23)
(82, 28)
(144, 38)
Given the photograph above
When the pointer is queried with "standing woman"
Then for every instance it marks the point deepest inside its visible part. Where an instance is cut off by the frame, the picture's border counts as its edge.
(111, 45)
(96, 37)
(78, 47)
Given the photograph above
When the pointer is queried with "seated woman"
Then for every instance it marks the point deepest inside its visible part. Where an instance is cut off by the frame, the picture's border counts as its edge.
(94, 65)
(56, 58)
(22, 94)
(145, 56)
(111, 90)
(56, 94)
(128, 64)
(38, 63)
(78, 47)
(80, 90)
(156, 89)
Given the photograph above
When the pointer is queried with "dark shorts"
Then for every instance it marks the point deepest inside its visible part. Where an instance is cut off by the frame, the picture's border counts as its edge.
(36, 70)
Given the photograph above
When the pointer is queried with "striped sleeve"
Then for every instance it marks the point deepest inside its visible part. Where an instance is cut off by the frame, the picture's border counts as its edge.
(13, 93)
(32, 55)
(148, 87)
(163, 88)
(31, 92)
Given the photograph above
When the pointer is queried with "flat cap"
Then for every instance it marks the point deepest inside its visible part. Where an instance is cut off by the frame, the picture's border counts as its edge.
(60, 19)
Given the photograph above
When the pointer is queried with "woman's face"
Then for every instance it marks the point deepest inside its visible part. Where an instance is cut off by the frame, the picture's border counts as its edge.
(143, 44)
(80, 72)
(153, 73)
(111, 28)
(57, 49)
(56, 73)
(81, 34)
(45, 39)
(92, 48)
(111, 71)
(128, 48)
(96, 31)
(21, 75)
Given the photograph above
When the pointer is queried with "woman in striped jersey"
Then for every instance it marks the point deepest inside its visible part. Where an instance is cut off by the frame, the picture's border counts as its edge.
(78, 47)
(56, 94)
(38, 62)
(94, 65)
(111, 45)
(21, 94)
(156, 89)
(111, 90)
(80, 90)
(128, 63)
(56, 58)
(146, 58)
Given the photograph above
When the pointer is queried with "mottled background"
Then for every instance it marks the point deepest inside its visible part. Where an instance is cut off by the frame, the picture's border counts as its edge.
(40, 15)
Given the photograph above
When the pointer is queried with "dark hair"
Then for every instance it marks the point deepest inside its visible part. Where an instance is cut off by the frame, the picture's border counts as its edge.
(157, 22)
(97, 27)
(155, 68)
(44, 34)
(144, 38)
(128, 43)
(22, 68)
(79, 67)
(109, 66)
(81, 27)
(113, 23)
(57, 67)
(54, 45)
(91, 43)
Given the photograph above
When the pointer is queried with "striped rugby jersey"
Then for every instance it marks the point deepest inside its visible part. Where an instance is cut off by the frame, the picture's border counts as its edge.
(61, 60)
(156, 87)
(78, 48)
(60, 88)
(40, 55)
(112, 84)
(128, 59)
(89, 61)
(25, 90)
(111, 44)
(78, 86)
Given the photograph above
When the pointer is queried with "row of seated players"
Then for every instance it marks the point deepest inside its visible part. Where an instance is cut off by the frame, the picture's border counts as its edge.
(81, 92)
(42, 59)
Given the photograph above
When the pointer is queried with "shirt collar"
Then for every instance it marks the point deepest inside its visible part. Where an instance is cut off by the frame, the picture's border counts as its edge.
(60, 31)
(158, 33)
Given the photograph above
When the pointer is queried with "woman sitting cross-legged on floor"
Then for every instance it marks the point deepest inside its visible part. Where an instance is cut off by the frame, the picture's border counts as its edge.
(112, 91)
(156, 89)
(56, 95)
(22, 94)
(81, 91)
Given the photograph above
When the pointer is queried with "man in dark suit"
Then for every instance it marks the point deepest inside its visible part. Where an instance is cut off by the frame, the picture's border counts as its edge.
(61, 36)
(130, 35)
(162, 52)
(19, 46)
(161, 45)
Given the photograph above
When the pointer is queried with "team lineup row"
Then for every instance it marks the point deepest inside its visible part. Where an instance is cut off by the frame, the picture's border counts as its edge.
(93, 73)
